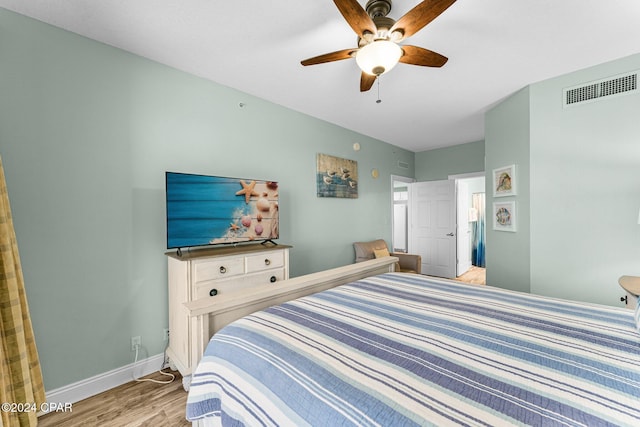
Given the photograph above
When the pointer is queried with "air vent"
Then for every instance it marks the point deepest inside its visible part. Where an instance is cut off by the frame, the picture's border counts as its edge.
(625, 84)
(403, 165)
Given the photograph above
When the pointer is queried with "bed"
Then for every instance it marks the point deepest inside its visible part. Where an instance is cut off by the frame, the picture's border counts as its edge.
(402, 349)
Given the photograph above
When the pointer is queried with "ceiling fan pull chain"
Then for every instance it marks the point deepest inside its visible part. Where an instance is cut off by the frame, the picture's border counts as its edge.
(378, 101)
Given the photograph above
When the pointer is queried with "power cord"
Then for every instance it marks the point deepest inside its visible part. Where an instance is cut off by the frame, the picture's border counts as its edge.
(151, 380)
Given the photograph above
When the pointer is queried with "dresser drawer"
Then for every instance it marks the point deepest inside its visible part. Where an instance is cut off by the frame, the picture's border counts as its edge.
(265, 261)
(217, 287)
(217, 268)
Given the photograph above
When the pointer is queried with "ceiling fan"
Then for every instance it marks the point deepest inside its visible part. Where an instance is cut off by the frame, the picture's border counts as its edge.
(378, 50)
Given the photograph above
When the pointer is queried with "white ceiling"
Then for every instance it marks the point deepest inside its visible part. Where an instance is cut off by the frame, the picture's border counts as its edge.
(495, 47)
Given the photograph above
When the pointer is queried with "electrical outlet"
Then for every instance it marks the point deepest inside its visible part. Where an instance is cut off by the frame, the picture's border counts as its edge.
(135, 342)
(165, 335)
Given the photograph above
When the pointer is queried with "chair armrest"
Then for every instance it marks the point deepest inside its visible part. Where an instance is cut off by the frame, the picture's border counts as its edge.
(409, 261)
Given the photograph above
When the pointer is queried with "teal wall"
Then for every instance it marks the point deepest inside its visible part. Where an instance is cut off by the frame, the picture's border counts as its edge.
(86, 134)
(438, 164)
(507, 143)
(585, 188)
(578, 189)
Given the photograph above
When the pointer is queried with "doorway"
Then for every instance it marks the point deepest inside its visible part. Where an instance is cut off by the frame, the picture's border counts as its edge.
(400, 213)
(470, 193)
(469, 222)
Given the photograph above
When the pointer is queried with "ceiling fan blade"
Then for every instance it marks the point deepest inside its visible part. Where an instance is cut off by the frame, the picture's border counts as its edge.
(415, 55)
(329, 57)
(356, 17)
(366, 81)
(425, 12)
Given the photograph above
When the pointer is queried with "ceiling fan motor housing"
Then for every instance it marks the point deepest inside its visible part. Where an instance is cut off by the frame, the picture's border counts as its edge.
(383, 25)
(377, 8)
(378, 11)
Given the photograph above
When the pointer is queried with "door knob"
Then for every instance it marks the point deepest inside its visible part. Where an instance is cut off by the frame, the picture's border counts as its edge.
(450, 234)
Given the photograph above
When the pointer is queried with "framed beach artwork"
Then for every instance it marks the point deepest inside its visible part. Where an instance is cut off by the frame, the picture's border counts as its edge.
(504, 181)
(336, 177)
(504, 216)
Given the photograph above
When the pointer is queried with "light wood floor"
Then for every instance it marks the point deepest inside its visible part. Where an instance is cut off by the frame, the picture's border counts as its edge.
(134, 404)
(475, 275)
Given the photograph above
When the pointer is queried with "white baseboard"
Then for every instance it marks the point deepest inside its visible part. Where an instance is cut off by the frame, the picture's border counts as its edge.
(102, 382)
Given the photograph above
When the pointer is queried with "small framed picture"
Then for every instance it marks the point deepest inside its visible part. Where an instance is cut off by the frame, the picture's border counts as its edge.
(504, 216)
(504, 181)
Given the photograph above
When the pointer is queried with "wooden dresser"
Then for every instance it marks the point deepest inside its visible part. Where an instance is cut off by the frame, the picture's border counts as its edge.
(208, 273)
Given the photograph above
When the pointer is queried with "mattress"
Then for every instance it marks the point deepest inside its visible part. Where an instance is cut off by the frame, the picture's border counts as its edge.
(407, 350)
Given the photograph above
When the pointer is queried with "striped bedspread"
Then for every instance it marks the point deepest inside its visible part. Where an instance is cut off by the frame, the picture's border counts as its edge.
(405, 350)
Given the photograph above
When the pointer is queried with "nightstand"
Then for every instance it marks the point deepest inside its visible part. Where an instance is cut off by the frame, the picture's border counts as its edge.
(631, 284)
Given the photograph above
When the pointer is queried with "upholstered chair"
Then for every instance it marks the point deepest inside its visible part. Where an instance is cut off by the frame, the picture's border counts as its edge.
(409, 263)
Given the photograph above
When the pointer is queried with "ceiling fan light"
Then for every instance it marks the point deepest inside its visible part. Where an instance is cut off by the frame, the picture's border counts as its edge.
(379, 57)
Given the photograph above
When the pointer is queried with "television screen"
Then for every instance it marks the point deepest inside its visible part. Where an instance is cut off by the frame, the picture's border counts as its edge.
(211, 210)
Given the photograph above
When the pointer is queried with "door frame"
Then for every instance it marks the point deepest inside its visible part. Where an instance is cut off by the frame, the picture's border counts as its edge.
(394, 179)
(463, 176)
(463, 231)
(409, 180)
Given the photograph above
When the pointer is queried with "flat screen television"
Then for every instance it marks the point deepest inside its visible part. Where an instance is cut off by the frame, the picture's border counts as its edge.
(213, 210)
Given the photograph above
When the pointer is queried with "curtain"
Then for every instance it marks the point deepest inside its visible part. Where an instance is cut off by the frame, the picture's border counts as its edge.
(478, 231)
(20, 374)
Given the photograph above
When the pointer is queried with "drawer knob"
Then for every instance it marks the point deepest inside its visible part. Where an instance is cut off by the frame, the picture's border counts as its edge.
(267, 261)
(273, 279)
(213, 292)
(223, 269)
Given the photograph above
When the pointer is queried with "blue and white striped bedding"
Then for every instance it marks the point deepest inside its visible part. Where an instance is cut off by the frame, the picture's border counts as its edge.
(404, 350)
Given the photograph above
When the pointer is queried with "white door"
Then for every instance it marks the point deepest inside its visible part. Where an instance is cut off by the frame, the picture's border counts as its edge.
(464, 232)
(432, 226)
